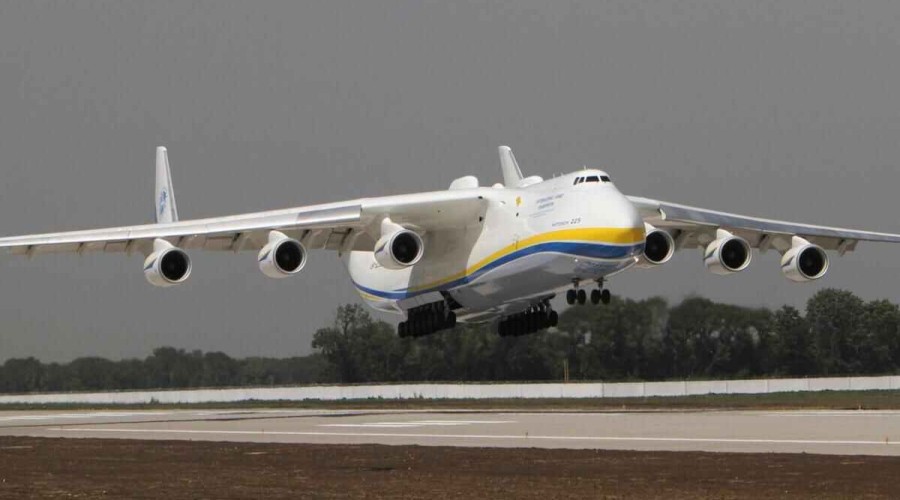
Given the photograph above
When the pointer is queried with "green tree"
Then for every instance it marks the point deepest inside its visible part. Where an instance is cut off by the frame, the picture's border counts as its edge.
(707, 339)
(22, 375)
(836, 318)
(793, 349)
(880, 342)
(218, 369)
(358, 348)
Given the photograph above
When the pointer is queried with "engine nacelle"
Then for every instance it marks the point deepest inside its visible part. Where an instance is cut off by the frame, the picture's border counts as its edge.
(804, 261)
(399, 248)
(659, 247)
(727, 254)
(168, 265)
(282, 256)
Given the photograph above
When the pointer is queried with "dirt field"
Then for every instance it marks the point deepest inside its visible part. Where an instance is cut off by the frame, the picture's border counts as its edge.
(88, 468)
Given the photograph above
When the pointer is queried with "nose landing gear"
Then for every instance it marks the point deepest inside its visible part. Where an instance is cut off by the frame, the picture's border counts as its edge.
(598, 295)
(573, 296)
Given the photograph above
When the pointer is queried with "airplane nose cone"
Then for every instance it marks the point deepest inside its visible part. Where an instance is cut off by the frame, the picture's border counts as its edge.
(629, 219)
(630, 215)
(622, 223)
(624, 213)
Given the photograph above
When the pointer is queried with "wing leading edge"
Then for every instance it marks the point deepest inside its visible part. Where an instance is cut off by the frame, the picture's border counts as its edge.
(318, 227)
(694, 227)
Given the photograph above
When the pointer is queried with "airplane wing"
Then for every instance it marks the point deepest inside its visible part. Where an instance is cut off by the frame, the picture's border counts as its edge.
(318, 227)
(693, 227)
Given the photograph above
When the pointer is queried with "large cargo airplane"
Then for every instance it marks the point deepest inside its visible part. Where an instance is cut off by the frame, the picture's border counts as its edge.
(470, 253)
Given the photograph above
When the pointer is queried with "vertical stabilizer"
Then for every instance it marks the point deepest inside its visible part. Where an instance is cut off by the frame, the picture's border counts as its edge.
(511, 173)
(165, 197)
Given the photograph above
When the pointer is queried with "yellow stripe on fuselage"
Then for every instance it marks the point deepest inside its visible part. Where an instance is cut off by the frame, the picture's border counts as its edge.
(609, 235)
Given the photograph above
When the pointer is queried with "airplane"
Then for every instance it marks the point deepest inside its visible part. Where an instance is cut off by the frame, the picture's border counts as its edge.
(471, 253)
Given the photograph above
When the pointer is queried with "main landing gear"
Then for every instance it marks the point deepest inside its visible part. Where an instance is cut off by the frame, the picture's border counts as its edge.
(580, 296)
(533, 319)
(427, 319)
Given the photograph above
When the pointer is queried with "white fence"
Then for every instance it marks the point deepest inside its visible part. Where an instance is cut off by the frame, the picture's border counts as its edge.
(465, 391)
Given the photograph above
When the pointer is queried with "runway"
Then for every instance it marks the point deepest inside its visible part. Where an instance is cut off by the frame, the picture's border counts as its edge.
(821, 432)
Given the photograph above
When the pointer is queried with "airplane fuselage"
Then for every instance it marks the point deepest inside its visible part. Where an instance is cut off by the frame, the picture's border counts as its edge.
(529, 243)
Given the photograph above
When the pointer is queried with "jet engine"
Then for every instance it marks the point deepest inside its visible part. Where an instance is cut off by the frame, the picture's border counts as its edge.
(659, 247)
(168, 265)
(282, 256)
(398, 247)
(727, 254)
(804, 261)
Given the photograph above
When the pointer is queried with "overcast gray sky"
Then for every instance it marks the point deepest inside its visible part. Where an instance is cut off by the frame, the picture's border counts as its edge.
(778, 109)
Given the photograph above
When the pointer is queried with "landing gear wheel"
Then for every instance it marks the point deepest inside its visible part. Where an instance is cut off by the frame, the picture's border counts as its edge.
(570, 297)
(544, 321)
(605, 297)
(582, 297)
(552, 319)
(419, 327)
(595, 297)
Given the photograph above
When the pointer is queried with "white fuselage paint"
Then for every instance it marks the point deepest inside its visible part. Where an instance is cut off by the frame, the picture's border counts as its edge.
(526, 245)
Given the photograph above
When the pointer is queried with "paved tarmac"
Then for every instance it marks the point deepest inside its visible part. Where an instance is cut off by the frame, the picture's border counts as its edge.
(826, 432)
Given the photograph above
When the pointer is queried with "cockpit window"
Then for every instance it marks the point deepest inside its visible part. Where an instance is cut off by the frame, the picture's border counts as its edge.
(579, 180)
(605, 178)
(592, 178)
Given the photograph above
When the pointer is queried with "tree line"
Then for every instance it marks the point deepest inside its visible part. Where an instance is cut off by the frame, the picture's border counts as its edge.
(837, 334)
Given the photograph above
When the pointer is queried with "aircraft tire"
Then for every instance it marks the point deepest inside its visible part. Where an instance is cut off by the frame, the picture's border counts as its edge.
(418, 327)
(582, 297)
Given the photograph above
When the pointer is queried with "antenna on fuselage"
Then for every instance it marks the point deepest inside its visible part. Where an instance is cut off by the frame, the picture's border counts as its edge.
(510, 168)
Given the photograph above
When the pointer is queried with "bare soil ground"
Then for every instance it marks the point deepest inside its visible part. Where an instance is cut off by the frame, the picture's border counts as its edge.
(94, 468)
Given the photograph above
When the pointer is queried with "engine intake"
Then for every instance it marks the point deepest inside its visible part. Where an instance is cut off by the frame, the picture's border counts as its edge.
(659, 247)
(399, 249)
(804, 261)
(167, 265)
(728, 254)
(282, 256)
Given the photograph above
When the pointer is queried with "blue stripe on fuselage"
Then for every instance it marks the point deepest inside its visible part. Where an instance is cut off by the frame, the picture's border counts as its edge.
(594, 250)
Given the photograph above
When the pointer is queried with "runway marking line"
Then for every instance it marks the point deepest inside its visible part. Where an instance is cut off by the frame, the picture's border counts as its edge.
(83, 415)
(847, 413)
(419, 423)
(485, 436)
